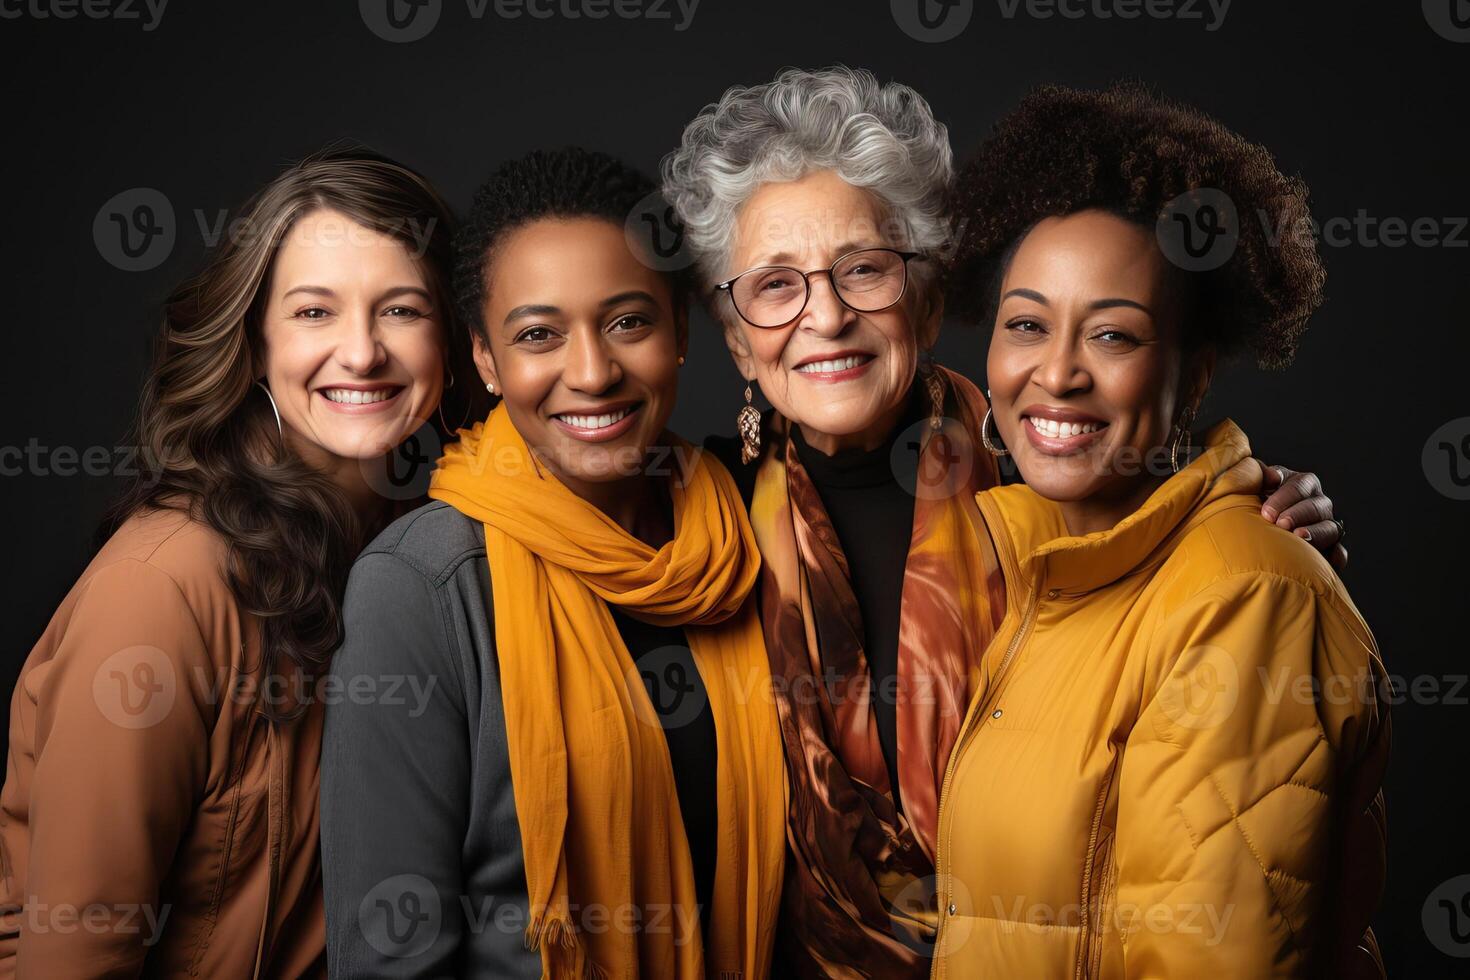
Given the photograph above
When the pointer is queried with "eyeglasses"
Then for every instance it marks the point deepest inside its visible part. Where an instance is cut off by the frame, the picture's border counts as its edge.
(867, 280)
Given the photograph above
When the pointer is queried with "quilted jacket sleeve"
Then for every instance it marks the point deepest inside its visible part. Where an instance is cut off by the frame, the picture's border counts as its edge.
(1247, 787)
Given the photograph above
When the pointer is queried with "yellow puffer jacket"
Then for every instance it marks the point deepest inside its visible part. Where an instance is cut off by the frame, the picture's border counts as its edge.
(1147, 785)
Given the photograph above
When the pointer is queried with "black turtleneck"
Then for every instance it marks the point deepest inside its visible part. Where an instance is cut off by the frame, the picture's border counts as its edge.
(866, 495)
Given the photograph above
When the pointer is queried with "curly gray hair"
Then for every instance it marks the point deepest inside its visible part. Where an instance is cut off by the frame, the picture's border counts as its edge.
(880, 137)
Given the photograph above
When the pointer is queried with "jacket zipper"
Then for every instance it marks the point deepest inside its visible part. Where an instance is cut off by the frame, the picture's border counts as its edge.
(967, 732)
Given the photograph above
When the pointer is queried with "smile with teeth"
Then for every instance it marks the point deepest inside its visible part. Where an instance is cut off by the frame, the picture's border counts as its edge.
(355, 396)
(1062, 430)
(595, 421)
(832, 367)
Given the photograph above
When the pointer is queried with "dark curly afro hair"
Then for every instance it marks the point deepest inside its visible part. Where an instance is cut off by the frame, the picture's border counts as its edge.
(566, 183)
(1128, 151)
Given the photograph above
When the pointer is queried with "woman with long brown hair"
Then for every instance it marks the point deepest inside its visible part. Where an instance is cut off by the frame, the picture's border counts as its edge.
(159, 812)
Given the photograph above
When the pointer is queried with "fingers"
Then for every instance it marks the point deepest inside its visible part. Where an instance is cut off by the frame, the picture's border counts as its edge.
(1295, 488)
(1338, 558)
(1322, 534)
(1309, 513)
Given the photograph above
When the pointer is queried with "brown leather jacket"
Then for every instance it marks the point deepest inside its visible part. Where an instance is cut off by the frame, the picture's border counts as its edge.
(153, 822)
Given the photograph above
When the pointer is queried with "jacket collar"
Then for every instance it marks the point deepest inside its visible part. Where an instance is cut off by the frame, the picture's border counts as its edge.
(1040, 546)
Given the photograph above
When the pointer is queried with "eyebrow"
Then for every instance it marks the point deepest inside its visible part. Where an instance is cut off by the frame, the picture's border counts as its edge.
(325, 291)
(1099, 304)
(786, 258)
(542, 309)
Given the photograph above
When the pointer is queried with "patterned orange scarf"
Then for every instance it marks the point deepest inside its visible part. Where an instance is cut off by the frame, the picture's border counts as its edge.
(859, 896)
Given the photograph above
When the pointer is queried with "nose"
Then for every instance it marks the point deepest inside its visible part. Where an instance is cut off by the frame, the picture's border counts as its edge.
(589, 367)
(359, 349)
(1061, 371)
(825, 314)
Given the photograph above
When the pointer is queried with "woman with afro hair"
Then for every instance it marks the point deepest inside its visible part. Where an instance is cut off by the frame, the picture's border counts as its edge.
(1177, 745)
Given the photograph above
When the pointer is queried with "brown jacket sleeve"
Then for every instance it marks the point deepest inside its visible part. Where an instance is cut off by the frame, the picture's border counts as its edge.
(118, 721)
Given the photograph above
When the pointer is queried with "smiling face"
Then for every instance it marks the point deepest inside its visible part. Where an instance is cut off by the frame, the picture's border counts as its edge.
(843, 376)
(584, 347)
(354, 343)
(1086, 369)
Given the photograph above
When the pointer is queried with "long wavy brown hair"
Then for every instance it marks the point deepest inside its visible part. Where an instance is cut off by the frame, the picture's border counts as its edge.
(211, 435)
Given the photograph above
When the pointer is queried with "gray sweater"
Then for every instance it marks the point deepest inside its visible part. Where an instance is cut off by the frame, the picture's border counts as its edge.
(421, 850)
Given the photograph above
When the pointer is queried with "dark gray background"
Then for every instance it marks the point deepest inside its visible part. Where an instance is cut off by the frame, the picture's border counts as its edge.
(1365, 101)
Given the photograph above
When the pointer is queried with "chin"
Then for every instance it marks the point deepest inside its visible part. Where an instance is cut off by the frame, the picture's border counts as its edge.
(1064, 482)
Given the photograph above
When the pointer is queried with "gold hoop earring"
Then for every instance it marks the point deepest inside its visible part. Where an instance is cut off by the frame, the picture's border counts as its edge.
(1181, 438)
(748, 422)
(993, 448)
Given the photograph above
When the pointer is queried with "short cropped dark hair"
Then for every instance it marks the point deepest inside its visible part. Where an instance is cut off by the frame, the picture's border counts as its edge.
(566, 183)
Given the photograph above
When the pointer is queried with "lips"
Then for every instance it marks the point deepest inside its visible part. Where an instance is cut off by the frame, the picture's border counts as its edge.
(360, 399)
(836, 366)
(610, 422)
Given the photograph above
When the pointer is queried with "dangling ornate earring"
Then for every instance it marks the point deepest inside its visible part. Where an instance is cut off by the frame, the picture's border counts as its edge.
(274, 411)
(1181, 438)
(994, 449)
(935, 383)
(749, 424)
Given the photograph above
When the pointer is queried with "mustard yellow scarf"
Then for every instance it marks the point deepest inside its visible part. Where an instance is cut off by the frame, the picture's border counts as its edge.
(608, 871)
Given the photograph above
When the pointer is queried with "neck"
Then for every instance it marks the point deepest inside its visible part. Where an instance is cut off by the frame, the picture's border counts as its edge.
(350, 477)
(1103, 511)
(870, 438)
(638, 504)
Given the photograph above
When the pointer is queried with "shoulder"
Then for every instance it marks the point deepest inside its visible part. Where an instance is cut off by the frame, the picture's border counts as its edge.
(1234, 552)
(163, 558)
(434, 541)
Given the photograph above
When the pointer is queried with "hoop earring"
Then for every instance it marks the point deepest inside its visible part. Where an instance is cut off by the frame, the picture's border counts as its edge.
(748, 422)
(995, 450)
(280, 431)
(449, 371)
(1186, 419)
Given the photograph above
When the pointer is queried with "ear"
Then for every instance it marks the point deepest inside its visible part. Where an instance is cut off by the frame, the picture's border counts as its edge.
(485, 363)
(1201, 372)
(930, 312)
(739, 348)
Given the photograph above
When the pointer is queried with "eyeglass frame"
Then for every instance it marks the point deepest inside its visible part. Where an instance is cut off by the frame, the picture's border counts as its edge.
(728, 285)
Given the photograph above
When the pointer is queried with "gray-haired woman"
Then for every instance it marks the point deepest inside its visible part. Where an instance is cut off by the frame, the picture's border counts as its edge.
(815, 208)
